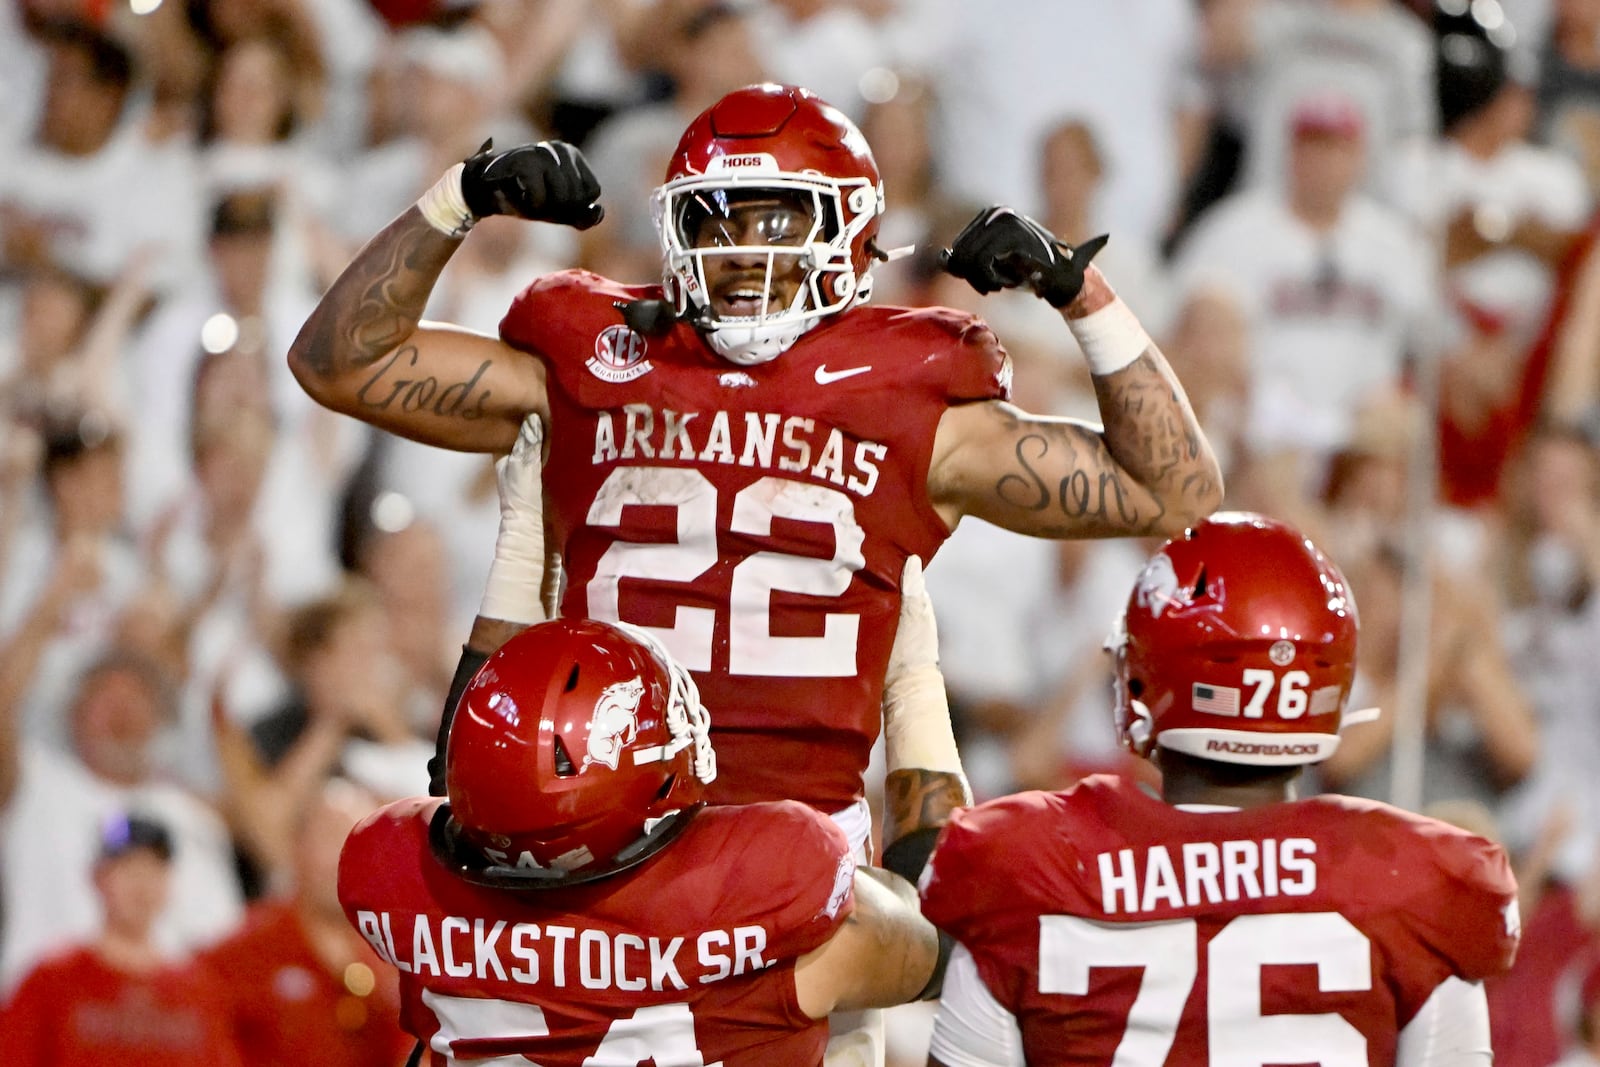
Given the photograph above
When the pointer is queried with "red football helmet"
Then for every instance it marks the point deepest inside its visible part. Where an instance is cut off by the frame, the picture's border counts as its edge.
(1238, 644)
(578, 750)
(782, 142)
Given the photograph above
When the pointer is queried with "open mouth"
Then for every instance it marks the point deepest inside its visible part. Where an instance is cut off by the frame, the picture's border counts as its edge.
(744, 300)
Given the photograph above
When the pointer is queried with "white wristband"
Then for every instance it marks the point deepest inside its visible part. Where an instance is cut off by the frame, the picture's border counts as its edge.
(444, 205)
(1111, 338)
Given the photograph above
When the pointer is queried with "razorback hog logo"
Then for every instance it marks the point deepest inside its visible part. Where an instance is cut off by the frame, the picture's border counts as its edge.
(615, 723)
(1157, 588)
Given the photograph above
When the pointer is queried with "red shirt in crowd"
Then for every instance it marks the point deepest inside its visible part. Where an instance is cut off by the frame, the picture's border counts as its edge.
(77, 1009)
(287, 1007)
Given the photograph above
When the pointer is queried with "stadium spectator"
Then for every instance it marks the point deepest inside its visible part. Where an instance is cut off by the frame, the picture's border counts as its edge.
(55, 802)
(1374, 53)
(118, 999)
(1569, 85)
(1334, 287)
(72, 569)
(86, 188)
(303, 987)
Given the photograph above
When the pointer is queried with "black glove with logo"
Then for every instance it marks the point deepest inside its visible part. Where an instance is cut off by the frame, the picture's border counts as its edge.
(1002, 249)
(546, 182)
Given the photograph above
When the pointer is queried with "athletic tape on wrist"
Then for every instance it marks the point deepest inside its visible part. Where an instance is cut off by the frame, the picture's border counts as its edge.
(1111, 338)
(916, 723)
(444, 205)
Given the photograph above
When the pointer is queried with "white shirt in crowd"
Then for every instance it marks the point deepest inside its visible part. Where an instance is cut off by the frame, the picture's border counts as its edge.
(1331, 316)
(1521, 181)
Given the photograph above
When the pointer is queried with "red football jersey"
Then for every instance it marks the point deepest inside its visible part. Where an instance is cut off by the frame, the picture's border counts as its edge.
(756, 519)
(288, 1007)
(689, 956)
(77, 1009)
(1111, 924)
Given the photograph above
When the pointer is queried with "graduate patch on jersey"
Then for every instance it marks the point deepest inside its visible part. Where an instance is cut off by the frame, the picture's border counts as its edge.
(619, 355)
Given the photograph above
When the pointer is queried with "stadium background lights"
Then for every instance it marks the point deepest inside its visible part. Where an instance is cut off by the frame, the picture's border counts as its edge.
(392, 512)
(220, 333)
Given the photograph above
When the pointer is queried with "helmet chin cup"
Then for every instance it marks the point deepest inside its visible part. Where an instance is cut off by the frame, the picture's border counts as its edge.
(750, 346)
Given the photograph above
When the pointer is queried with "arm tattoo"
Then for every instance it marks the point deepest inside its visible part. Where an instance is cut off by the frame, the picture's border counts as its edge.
(384, 391)
(920, 800)
(1147, 471)
(1092, 490)
(377, 301)
(1151, 433)
(1095, 491)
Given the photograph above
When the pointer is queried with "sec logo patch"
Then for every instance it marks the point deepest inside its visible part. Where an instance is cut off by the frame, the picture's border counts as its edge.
(619, 355)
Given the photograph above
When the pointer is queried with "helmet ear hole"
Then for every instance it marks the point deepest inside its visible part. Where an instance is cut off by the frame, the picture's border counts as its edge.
(666, 787)
(1135, 688)
(572, 680)
(564, 764)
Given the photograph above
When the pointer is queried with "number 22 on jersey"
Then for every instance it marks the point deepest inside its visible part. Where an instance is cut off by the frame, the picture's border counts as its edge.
(752, 647)
(1239, 1035)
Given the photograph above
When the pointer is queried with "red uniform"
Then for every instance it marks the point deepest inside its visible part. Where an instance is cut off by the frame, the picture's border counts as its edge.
(690, 954)
(77, 1009)
(756, 518)
(1104, 919)
(287, 1007)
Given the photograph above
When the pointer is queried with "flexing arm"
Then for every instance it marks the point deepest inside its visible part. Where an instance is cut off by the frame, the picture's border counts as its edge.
(365, 351)
(883, 955)
(1148, 471)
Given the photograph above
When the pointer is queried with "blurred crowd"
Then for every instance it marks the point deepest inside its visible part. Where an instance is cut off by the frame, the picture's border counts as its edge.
(1362, 230)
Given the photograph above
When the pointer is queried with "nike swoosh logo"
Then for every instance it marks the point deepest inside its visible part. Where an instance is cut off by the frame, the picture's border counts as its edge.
(824, 375)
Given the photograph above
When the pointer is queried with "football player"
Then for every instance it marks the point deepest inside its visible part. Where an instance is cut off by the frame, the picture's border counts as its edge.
(575, 900)
(741, 459)
(1227, 923)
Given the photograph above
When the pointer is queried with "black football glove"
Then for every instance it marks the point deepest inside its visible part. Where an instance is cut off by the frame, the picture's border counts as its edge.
(546, 182)
(1002, 249)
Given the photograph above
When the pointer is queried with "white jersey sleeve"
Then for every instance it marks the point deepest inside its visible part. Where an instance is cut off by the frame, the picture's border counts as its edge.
(1451, 1029)
(971, 1028)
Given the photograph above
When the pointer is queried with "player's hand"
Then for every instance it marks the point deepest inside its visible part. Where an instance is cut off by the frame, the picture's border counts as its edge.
(1003, 249)
(512, 592)
(517, 475)
(916, 639)
(545, 182)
